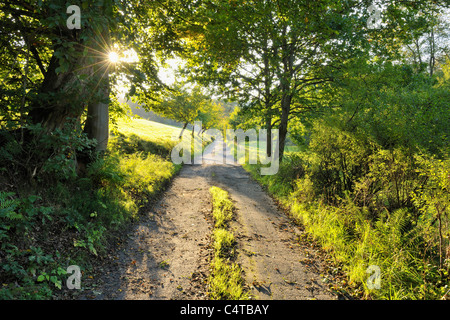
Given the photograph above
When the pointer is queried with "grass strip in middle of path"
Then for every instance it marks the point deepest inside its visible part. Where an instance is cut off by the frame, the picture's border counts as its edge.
(225, 280)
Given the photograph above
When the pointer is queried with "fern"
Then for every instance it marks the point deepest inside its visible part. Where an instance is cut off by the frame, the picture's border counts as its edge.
(8, 206)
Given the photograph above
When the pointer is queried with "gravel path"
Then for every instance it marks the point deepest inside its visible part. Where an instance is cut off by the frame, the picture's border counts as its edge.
(167, 254)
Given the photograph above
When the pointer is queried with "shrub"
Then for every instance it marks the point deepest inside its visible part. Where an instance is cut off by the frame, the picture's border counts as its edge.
(339, 158)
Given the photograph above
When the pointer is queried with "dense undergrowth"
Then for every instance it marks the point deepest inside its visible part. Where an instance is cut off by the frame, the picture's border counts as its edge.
(375, 192)
(60, 218)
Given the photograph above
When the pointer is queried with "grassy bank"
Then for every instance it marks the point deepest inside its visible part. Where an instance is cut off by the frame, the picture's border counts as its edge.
(225, 281)
(394, 218)
(54, 223)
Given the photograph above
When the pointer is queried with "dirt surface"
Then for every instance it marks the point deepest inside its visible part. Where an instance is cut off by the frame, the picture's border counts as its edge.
(167, 254)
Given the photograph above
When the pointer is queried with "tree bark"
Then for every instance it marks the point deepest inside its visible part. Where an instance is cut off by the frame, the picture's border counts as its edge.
(267, 98)
(285, 110)
(432, 60)
(97, 122)
(269, 131)
(58, 97)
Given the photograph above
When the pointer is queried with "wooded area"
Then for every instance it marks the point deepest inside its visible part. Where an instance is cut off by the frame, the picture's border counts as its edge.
(358, 89)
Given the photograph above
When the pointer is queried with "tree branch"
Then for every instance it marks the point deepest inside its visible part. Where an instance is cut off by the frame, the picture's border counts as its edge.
(31, 47)
(7, 7)
(38, 59)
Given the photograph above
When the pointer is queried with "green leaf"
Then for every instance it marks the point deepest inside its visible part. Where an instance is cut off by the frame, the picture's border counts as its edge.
(33, 198)
(58, 284)
(92, 249)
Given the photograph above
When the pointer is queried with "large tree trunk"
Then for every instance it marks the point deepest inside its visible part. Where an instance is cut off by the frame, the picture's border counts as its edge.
(59, 96)
(64, 95)
(97, 122)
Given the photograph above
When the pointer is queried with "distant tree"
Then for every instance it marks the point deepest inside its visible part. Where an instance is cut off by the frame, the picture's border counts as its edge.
(184, 105)
(212, 115)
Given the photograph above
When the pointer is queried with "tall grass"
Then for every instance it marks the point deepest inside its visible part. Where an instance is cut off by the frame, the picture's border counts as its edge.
(225, 280)
(392, 212)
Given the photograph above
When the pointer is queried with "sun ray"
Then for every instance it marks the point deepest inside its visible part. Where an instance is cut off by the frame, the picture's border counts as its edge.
(90, 65)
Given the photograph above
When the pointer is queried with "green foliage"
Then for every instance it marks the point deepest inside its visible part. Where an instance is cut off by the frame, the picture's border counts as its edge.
(414, 118)
(392, 214)
(34, 154)
(290, 170)
(367, 227)
(22, 259)
(146, 175)
(338, 161)
(186, 105)
(372, 187)
(128, 144)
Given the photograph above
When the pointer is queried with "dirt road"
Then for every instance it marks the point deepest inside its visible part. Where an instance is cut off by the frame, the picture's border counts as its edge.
(167, 254)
